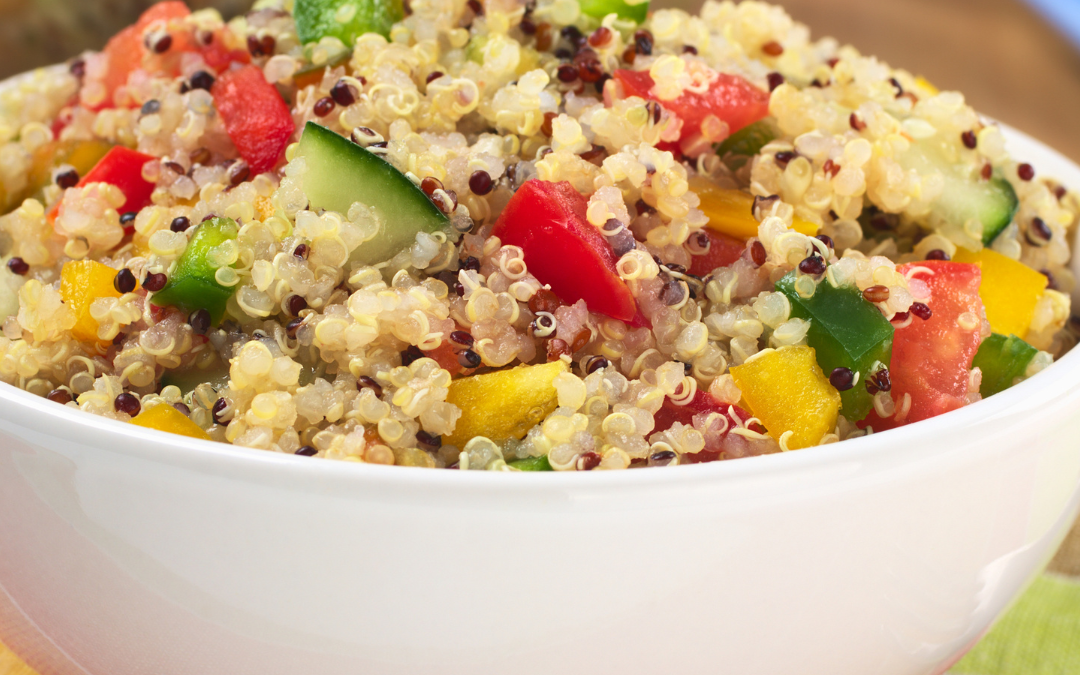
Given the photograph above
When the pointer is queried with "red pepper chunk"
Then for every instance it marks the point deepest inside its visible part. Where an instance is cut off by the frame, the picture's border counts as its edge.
(730, 98)
(931, 359)
(256, 117)
(547, 220)
(723, 251)
(123, 168)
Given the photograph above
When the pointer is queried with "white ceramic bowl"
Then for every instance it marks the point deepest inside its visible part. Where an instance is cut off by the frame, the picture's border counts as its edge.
(124, 551)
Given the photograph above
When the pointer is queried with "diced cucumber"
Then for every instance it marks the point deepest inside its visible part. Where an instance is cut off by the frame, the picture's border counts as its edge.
(747, 142)
(217, 376)
(540, 463)
(345, 19)
(626, 10)
(1003, 362)
(339, 172)
(965, 197)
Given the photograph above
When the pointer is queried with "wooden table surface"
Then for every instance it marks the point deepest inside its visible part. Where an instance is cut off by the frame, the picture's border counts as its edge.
(1008, 62)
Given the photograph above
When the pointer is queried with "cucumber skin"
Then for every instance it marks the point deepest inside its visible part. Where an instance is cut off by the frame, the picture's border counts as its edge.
(339, 172)
(315, 19)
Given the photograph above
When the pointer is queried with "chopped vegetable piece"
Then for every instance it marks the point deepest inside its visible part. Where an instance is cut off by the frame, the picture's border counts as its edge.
(82, 282)
(702, 403)
(540, 463)
(504, 404)
(846, 331)
(345, 19)
(313, 72)
(123, 168)
(931, 359)
(732, 211)
(730, 98)
(340, 172)
(965, 197)
(125, 51)
(1010, 290)
(256, 117)
(193, 284)
(547, 220)
(723, 251)
(747, 142)
(1003, 362)
(634, 11)
(786, 389)
(217, 376)
(164, 417)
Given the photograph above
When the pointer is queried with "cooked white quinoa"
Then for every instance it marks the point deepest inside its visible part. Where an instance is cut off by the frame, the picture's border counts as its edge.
(455, 91)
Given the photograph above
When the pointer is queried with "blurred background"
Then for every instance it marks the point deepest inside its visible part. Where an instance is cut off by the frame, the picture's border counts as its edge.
(1013, 60)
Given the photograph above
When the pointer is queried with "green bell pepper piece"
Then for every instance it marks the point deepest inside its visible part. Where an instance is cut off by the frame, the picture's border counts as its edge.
(846, 331)
(345, 19)
(192, 285)
(540, 463)
(1003, 361)
(217, 376)
(601, 8)
(747, 142)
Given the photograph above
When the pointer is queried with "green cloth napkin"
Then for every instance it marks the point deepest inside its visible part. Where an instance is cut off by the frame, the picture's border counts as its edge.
(1040, 635)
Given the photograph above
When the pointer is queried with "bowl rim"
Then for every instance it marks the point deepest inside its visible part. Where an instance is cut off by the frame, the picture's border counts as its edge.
(1058, 382)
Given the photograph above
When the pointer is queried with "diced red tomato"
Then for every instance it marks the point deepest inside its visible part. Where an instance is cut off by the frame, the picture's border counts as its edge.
(931, 360)
(128, 53)
(446, 356)
(547, 220)
(123, 168)
(256, 117)
(723, 251)
(126, 49)
(670, 413)
(730, 98)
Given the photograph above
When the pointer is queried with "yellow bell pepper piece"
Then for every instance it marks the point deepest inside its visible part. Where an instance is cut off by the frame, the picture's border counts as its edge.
(1009, 290)
(925, 86)
(82, 282)
(786, 389)
(504, 404)
(731, 211)
(164, 417)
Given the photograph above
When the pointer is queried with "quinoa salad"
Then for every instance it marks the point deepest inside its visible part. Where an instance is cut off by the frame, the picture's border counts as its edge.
(515, 235)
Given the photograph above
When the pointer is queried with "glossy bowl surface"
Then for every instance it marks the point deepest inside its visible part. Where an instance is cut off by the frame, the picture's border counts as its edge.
(125, 552)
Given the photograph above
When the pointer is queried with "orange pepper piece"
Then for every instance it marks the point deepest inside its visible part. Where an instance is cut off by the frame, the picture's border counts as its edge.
(731, 211)
(164, 417)
(82, 282)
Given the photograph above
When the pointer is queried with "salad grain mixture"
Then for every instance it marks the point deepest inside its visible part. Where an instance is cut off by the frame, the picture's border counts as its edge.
(496, 234)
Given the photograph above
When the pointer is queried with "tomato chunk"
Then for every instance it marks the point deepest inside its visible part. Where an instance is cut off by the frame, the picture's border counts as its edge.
(723, 251)
(730, 98)
(256, 117)
(547, 220)
(931, 359)
(127, 50)
(731, 445)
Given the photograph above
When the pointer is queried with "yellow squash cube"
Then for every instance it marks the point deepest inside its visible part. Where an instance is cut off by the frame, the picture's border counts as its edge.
(1009, 290)
(82, 282)
(731, 211)
(504, 404)
(786, 389)
(164, 417)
